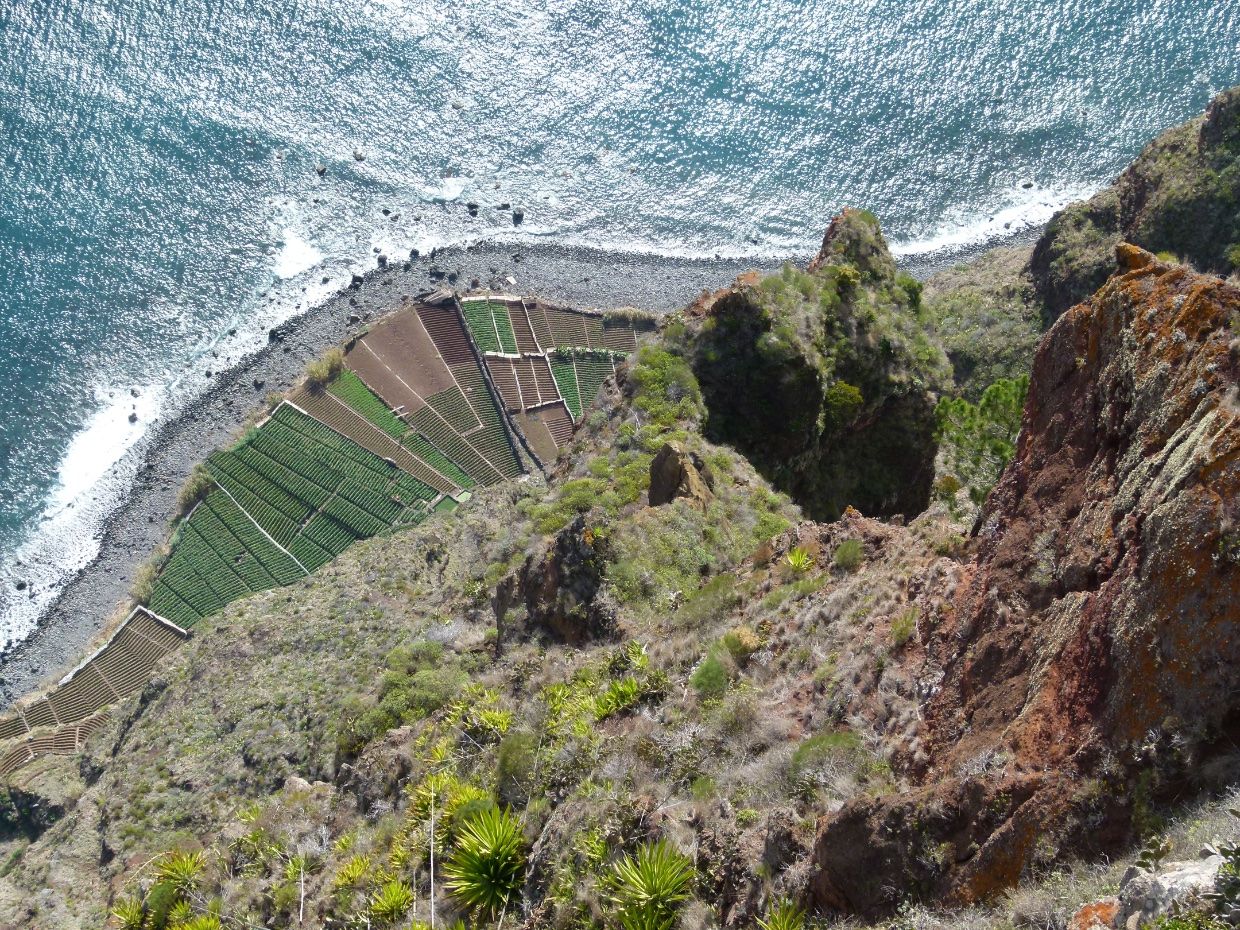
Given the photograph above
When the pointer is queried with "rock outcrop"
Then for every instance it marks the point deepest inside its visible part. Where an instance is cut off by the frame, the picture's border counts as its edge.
(676, 473)
(1091, 645)
(558, 591)
(812, 373)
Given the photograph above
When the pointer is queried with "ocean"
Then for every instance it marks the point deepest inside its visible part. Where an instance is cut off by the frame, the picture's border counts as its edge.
(162, 203)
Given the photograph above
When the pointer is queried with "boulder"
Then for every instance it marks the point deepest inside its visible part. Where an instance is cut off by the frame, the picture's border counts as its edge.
(676, 473)
(1097, 915)
(1176, 886)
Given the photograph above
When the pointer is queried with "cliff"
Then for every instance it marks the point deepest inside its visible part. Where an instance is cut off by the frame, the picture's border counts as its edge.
(1084, 663)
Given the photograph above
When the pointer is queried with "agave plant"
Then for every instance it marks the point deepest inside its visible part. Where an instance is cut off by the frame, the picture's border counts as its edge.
(201, 922)
(799, 560)
(485, 871)
(648, 887)
(783, 916)
(390, 903)
(129, 914)
(180, 871)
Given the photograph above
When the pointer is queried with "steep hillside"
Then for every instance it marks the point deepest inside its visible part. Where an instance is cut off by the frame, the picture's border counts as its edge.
(1084, 663)
(1180, 196)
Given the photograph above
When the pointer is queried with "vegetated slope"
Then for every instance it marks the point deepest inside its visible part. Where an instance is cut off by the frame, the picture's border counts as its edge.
(848, 714)
(824, 378)
(1181, 195)
(1085, 664)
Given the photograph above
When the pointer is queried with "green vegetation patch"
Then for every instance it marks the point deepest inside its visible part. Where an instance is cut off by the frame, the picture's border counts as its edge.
(349, 388)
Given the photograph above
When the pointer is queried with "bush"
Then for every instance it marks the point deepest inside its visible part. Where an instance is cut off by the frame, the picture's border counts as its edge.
(486, 870)
(783, 916)
(419, 681)
(391, 903)
(143, 584)
(713, 600)
(664, 388)
(799, 560)
(322, 370)
(841, 402)
(741, 643)
(903, 627)
(195, 489)
(848, 554)
(649, 887)
(978, 441)
(710, 678)
(514, 767)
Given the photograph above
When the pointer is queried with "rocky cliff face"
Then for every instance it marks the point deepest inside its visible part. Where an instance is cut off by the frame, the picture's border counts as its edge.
(811, 373)
(1087, 657)
(1179, 196)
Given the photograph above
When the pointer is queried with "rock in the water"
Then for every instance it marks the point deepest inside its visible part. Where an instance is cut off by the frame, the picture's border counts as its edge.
(133, 417)
(356, 281)
(676, 473)
(320, 170)
(382, 261)
(359, 155)
(518, 217)
(258, 384)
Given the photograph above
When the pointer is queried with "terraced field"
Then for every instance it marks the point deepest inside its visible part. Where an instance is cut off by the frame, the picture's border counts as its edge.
(291, 496)
(406, 429)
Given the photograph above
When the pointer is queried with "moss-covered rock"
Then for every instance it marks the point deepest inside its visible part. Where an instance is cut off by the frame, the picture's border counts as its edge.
(812, 372)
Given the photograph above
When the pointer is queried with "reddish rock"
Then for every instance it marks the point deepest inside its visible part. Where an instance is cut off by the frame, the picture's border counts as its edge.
(1094, 634)
(1100, 915)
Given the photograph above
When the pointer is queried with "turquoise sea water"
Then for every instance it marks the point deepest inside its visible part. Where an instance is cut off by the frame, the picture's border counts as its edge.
(158, 185)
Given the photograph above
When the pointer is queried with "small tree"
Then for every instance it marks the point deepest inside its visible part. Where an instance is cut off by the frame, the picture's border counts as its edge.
(979, 440)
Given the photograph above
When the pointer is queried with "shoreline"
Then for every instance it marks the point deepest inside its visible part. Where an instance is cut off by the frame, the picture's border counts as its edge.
(86, 606)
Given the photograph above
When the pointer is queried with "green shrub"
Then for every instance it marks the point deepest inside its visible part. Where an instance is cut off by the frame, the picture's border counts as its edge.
(848, 554)
(129, 914)
(619, 696)
(390, 903)
(815, 752)
(741, 643)
(419, 680)
(799, 560)
(664, 388)
(903, 627)
(841, 403)
(323, 369)
(784, 915)
(978, 441)
(195, 489)
(143, 584)
(702, 788)
(714, 599)
(648, 887)
(486, 869)
(710, 678)
(514, 767)
(1192, 920)
(1233, 256)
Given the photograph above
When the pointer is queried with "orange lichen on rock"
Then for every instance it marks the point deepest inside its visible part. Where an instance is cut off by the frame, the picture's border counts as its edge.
(1099, 619)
